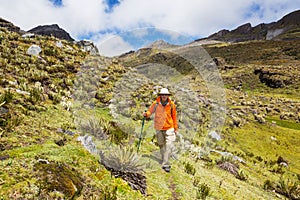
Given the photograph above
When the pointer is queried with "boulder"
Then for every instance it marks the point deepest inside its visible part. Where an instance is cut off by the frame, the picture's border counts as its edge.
(88, 46)
(34, 50)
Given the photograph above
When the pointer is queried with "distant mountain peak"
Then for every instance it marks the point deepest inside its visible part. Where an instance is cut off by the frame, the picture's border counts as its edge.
(160, 44)
(52, 30)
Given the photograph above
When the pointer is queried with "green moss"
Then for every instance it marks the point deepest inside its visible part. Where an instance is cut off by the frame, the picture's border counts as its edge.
(58, 177)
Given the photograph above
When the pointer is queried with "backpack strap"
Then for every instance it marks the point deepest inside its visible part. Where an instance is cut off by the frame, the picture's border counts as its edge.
(171, 102)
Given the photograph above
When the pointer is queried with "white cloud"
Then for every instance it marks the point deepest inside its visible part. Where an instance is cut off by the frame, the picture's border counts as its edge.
(188, 17)
(76, 16)
(140, 33)
(111, 45)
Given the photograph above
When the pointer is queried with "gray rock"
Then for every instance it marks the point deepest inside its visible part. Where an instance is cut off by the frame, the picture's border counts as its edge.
(87, 142)
(214, 135)
(34, 50)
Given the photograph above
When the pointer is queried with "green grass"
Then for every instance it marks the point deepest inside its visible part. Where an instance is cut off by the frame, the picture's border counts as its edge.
(285, 123)
(255, 138)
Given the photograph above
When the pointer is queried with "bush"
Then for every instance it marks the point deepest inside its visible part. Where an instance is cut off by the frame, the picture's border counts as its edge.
(288, 188)
(196, 181)
(95, 126)
(241, 175)
(6, 97)
(203, 191)
(50, 51)
(268, 185)
(189, 168)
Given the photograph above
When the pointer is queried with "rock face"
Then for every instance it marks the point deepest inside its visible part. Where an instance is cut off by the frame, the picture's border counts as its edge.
(88, 46)
(52, 30)
(10, 26)
(274, 77)
(280, 30)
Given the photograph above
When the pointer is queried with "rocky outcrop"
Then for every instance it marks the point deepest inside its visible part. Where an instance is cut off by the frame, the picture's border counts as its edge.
(52, 30)
(88, 46)
(274, 78)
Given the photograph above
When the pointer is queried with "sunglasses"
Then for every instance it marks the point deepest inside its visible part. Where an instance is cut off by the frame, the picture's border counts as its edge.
(164, 95)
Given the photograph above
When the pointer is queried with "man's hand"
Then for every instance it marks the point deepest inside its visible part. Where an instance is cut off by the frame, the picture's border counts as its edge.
(145, 114)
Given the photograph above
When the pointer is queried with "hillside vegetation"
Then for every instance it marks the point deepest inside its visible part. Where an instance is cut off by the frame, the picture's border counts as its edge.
(70, 123)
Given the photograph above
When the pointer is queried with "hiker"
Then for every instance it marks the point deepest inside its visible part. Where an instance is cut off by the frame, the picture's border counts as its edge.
(165, 123)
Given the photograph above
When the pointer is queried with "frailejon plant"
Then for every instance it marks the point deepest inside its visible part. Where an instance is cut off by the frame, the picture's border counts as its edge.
(122, 159)
(96, 126)
(125, 163)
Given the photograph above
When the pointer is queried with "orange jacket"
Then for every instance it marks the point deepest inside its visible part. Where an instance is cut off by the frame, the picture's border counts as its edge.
(164, 118)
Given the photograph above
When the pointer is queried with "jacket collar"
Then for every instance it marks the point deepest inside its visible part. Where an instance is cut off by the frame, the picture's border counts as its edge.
(158, 100)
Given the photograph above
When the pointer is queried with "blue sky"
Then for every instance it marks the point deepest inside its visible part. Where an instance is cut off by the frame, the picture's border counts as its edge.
(111, 4)
(176, 21)
(56, 2)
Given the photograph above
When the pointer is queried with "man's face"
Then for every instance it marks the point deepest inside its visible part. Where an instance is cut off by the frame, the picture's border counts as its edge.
(164, 97)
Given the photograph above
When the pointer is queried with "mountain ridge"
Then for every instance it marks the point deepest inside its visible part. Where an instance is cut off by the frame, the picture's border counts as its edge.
(279, 30)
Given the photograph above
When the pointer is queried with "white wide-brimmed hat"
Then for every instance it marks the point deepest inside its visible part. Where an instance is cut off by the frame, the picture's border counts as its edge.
(164, 91)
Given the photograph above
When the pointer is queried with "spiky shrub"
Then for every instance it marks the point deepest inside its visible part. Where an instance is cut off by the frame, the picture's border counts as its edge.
(96, 126)
(203, 191)
(6, 97)
(189, 168)
(241, 175)
(268, 185)
(196, 181)
(124, 162)
(288, 188)
(122, 159)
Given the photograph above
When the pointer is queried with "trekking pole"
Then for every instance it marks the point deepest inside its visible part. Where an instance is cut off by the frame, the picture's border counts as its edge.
(140, 138)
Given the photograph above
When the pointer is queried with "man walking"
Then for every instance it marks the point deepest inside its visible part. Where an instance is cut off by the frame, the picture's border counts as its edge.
(165, 123)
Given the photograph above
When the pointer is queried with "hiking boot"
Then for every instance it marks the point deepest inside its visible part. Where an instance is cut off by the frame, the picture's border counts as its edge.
(167, 169)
